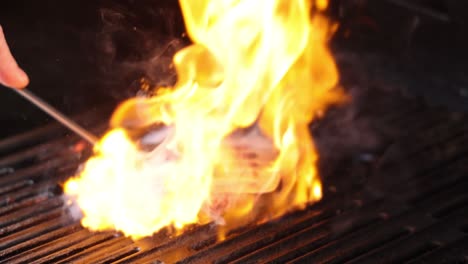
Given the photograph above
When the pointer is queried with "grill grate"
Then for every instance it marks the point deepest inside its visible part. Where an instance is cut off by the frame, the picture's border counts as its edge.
(412, 205)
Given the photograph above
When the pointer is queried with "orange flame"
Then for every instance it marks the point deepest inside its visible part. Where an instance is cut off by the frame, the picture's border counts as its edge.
(259, 66)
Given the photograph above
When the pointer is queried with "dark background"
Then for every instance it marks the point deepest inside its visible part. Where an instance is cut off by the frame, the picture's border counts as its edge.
(80, 54)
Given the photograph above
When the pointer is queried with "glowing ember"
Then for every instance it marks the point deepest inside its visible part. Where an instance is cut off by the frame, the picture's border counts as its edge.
(235, 143)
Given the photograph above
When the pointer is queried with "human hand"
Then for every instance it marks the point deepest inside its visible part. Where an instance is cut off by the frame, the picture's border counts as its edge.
(11, 75)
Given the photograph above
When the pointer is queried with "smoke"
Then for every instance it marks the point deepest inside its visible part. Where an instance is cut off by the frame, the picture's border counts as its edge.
(352, 138)
(138, 42)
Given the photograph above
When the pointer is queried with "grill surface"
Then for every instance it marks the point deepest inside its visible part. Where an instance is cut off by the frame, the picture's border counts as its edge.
(403, 200)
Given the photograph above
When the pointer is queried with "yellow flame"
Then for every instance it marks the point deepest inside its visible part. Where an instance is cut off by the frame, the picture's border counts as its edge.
(263, 63)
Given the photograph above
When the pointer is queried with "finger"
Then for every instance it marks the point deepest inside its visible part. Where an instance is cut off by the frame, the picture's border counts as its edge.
(11, 75)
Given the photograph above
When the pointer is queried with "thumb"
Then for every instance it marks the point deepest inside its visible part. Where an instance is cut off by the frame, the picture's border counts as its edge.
(11, 75)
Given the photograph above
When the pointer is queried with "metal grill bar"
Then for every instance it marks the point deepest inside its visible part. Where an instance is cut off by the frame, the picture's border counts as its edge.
(419, 215)
(454, 252)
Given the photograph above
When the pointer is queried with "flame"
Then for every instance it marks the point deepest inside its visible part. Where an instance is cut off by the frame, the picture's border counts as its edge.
(257, 66)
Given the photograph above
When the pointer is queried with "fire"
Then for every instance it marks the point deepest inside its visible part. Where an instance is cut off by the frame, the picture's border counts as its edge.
(235, 142)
